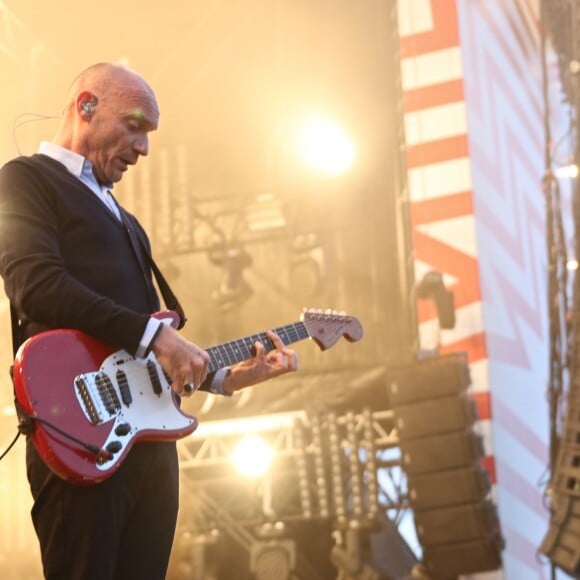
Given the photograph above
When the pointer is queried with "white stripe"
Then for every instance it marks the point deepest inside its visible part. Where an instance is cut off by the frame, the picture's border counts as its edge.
(422, 268)
(513, 510)
(435, 123)
(430, 335)
(440, 179)
(431, 68)
(483, 428)
(512, 452)
(457, 232)
(479, 372)
(415, 16)
(515, 568)
(468, 321)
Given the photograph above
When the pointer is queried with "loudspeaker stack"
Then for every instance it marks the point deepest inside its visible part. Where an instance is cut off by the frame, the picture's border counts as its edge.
(448, 487)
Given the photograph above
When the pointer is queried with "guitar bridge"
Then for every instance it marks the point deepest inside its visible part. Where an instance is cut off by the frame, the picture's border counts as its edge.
(86, 400)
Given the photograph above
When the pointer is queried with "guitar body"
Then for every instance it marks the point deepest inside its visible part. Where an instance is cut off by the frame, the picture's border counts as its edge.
(79, 387)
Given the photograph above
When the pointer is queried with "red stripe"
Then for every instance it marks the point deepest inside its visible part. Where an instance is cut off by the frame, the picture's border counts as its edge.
(444, 34)
(483, 401)
(433, 96)
(442, 208)
(524, 433)
(489, 463)
(475, 346)
(426, 310)
(520, 486)
(437, 151)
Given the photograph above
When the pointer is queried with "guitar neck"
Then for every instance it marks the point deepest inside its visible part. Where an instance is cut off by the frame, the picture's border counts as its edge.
(233, 352)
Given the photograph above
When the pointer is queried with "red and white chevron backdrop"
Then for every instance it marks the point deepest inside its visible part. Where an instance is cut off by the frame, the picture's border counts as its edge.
(472, 93)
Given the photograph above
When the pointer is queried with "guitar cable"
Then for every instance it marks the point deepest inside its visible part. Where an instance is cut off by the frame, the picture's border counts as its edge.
(26, 427)
(10, 446)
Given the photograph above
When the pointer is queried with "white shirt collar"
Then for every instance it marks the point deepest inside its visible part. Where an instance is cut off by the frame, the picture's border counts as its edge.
(75, 163)
(71, 160)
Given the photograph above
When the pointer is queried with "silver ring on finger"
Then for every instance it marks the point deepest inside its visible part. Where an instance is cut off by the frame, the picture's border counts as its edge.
(188, 388)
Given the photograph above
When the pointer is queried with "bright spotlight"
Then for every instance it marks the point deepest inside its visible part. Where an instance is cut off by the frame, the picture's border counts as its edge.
(567, 171)
(325, 147)
(252, 456)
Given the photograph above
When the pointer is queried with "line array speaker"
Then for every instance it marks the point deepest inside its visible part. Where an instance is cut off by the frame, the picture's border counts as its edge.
(448, 487)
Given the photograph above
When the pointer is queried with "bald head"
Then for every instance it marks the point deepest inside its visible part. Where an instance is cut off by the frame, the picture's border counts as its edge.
(110, 111)
(105, 78)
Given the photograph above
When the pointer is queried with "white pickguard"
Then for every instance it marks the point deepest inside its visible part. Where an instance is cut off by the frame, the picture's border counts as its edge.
(148, 411)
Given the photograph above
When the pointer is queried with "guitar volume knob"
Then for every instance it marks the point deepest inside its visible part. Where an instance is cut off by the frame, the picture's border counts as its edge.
(114, 447)
(122, 429)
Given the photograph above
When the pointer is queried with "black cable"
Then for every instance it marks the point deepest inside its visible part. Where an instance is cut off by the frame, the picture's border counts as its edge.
(10, 446)
(26, 426)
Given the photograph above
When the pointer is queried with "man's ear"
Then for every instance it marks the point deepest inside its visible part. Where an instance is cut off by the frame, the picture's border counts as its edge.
(85, 103)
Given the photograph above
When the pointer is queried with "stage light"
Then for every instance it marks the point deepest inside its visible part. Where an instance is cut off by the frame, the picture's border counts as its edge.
(567, 171)
(273, 559)
(252, 456)
(433, 287)
(325, 147)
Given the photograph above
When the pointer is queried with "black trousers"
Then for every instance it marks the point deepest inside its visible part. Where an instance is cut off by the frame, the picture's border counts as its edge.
(121, 528)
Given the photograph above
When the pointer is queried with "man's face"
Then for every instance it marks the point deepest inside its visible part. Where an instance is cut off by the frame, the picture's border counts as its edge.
(122, 121)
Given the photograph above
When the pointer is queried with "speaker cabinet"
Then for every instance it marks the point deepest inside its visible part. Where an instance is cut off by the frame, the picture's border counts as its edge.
(448, 488)
(441, 452)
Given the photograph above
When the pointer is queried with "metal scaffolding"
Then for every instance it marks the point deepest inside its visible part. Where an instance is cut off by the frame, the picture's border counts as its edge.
(340, 469)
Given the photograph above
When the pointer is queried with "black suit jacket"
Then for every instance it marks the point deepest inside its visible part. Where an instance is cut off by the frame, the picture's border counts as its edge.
(66, 261)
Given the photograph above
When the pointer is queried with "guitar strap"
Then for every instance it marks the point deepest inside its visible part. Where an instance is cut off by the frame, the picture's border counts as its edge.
(169, 297)
(25, 424)
(15, 332)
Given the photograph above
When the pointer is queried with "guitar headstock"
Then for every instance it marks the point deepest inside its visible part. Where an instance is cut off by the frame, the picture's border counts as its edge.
(328, 326)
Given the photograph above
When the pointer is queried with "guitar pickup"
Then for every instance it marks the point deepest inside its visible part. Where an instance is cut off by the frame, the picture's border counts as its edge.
(154, 377)
(124, 389)
(107, 392)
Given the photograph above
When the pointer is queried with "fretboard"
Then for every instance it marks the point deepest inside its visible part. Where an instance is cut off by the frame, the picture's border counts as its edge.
(233, 352)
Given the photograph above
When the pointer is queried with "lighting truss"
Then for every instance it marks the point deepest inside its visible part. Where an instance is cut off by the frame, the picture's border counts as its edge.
(329, 470)
(326, 466)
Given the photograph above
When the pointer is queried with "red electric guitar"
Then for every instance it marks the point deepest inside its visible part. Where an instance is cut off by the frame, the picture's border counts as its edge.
(87, 403)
